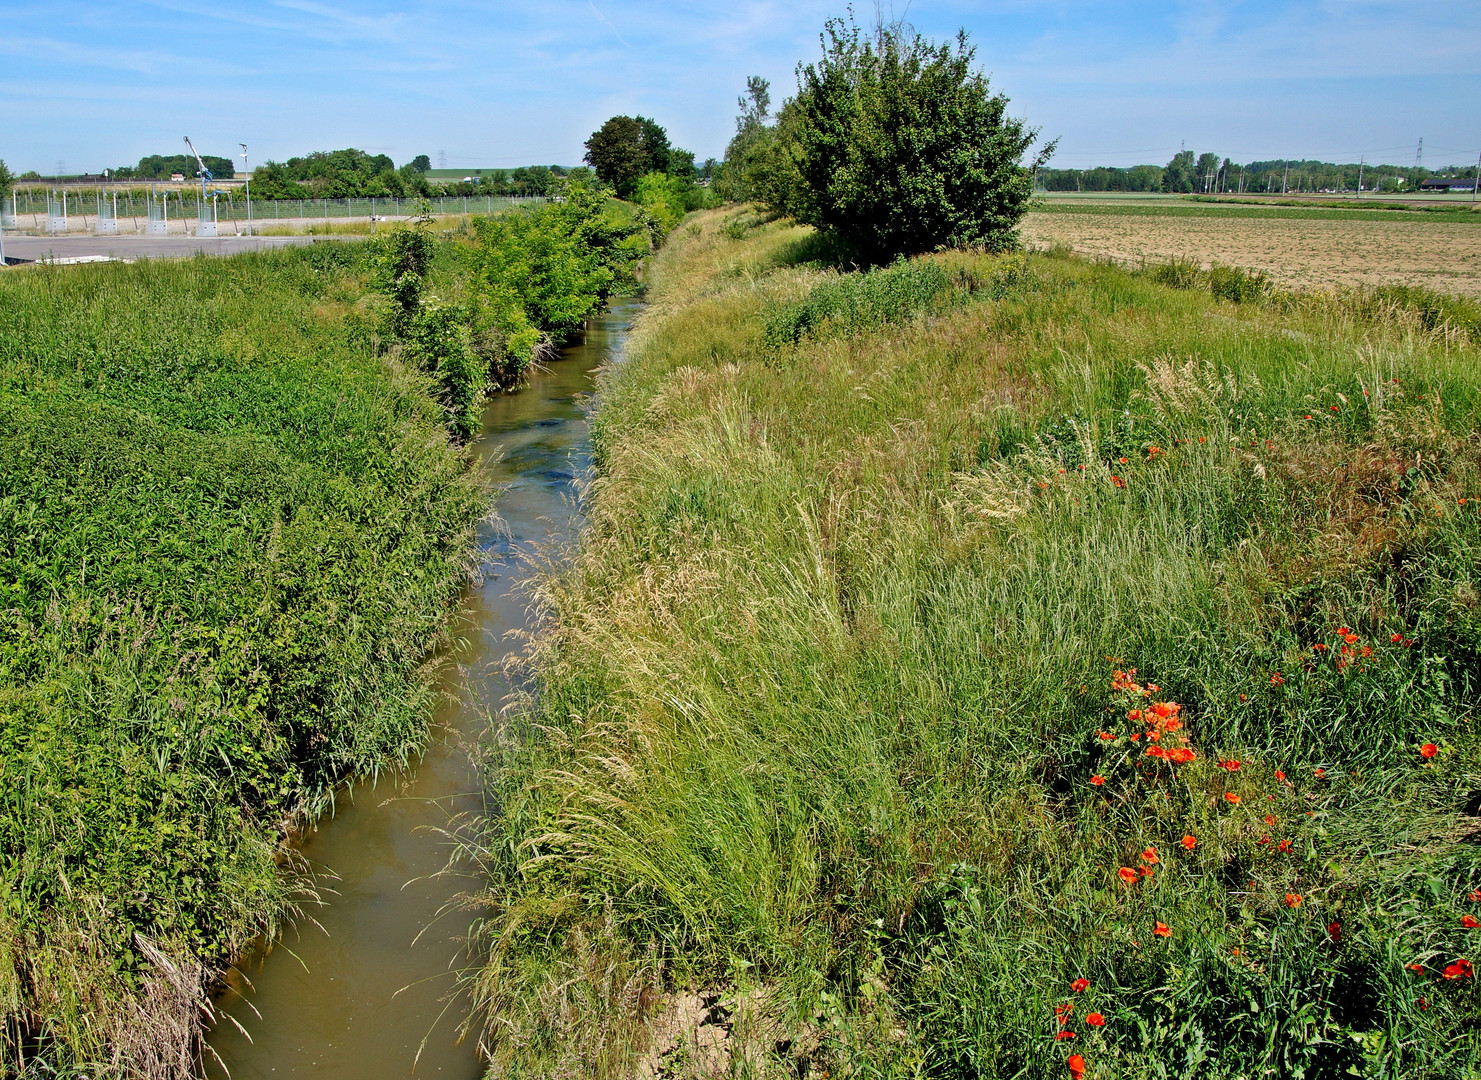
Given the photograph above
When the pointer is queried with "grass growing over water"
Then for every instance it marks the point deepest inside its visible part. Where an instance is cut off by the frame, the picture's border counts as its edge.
(1078, 678)
(229, 532)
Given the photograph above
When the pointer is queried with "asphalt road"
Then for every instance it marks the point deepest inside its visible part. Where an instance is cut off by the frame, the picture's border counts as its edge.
(67, 249)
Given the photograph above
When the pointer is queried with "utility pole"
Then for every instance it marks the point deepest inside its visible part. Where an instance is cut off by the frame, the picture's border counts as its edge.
(1286, 179)
(1361, 162)
(248, 173)
(1478, 178)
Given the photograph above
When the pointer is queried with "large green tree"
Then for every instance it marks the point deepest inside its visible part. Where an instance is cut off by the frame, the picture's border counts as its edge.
(626, 148)
(896, 145)
(7, 179)
(1177, 177)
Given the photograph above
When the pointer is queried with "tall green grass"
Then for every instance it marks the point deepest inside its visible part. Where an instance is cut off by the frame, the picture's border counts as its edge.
(229, 531)
(825, 721)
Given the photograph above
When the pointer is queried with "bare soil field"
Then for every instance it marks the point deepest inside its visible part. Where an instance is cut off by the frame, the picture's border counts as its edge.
(1298, 253)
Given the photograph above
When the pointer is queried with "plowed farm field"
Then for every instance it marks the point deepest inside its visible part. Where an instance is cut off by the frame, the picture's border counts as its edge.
(1298, 250)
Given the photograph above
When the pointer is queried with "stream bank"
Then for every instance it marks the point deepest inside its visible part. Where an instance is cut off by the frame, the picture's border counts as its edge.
(360, 988)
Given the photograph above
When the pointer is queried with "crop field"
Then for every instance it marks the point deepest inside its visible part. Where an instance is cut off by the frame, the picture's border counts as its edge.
(229, 530)
(1300, 248)
(1004, 666)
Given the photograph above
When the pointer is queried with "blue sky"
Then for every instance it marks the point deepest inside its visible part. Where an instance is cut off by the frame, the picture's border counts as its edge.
(98, 83)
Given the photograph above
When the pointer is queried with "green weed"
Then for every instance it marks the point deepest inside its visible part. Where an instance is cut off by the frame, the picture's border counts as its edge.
(229, 531)
(837, 700)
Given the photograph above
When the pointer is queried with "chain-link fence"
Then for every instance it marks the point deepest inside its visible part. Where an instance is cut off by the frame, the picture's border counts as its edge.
(42, 210)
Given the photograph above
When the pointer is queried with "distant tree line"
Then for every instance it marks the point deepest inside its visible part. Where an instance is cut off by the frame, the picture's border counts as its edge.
(162, 166)
(355, 174)
(1211, 173)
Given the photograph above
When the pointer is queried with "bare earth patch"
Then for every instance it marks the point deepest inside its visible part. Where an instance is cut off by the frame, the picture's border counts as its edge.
(1297, 253)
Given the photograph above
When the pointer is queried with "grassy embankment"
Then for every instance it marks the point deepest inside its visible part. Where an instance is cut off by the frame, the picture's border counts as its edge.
(830, 719)
(229, 532)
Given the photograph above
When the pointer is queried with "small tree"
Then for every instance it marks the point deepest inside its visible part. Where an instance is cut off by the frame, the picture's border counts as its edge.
(733, 183)
(7, 179)
(897, 146)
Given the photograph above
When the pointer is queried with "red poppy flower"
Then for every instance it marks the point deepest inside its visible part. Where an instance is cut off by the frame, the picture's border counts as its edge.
(1106, 736)
(1232, 766)
(1145, 871)
(1320, 646)
(1064, 1035)
(1097, 780)
(1150, 856)
(1334, 408)
(1095, 1020)
(1469, 922)
(1284, 845)
(1120, 483)
(1077, 1066)
(1229, 796)
(1122, 460)
(1127, 874)
(1320, 773)
(1270, 820)
(1276, 680)
(1461, 969)
(1182, 755)
(1293, 900)
(1351, 639)
(1476, 896)
(1134, 715)
(1203, 438)
(1078, 986)
(1162, 930)
(1279, 775)
(1417, 968)
(1334, 931)
(1190, 842)
(1428, 750)
(1395, 638)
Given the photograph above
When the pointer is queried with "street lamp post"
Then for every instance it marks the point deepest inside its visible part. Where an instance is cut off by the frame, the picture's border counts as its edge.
(248, 173)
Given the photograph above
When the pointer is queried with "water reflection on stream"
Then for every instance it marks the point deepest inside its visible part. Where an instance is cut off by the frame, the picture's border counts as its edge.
(326, 1001)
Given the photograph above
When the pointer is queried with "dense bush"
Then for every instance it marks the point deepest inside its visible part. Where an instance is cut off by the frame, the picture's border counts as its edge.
(898, 146)
(519, 282)
(229, 532)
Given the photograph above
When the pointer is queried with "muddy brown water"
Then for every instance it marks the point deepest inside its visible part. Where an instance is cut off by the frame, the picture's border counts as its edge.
(360, 995)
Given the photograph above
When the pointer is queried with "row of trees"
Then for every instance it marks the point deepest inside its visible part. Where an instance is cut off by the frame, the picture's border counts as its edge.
(1211, 173)
(163, 166)
(355, 174)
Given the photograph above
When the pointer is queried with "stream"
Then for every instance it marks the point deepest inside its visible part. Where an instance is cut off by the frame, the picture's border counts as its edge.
(351, 991)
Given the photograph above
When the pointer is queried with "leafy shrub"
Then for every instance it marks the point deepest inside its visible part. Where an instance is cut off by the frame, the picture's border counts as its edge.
(899, 147)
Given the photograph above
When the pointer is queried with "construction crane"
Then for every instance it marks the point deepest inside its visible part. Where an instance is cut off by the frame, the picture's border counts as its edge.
(201, 171)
